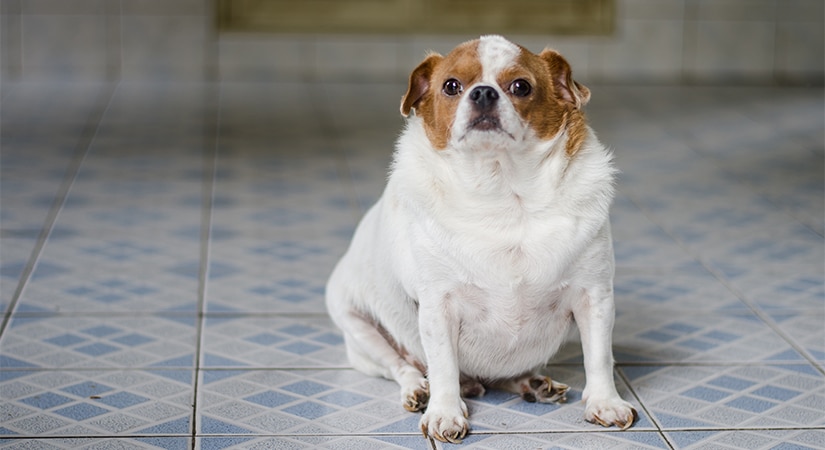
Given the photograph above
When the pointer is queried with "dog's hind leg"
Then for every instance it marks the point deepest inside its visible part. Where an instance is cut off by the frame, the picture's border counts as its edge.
(373, 351)
(534, 388)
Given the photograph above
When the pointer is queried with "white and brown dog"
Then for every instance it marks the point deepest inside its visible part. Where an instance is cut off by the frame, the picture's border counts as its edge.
(491, 237)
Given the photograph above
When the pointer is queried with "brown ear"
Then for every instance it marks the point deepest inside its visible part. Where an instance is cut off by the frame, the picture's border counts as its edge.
(419, 83)
(567, 88)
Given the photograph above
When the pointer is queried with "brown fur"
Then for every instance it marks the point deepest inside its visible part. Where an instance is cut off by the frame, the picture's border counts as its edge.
(554, 103)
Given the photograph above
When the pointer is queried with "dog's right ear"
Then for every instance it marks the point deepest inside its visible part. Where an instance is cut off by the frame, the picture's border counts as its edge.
(419, 83)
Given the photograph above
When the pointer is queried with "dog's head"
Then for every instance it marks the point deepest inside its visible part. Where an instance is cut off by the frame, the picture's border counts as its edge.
(491, 92)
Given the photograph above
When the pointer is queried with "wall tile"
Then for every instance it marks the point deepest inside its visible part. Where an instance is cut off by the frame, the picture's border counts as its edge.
(729, 50)
(61, 7)
(64, 47)
(166, 7)
(642, 49)
(10, 36)
(800, 51)
(731, 9)
(801, 10)
(357, 56)
(164, 47)
(650, 9)
(664, 40)
(261, 58)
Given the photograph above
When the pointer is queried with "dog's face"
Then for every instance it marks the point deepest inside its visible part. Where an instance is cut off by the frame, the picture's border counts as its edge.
(492, 92)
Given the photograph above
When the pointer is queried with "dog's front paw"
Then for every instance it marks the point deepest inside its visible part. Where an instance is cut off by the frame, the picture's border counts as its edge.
(610, 411)
(446, 424)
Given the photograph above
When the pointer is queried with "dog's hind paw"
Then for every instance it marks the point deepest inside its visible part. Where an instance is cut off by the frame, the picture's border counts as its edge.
(609, 412)
(416, 397)
(543, 390)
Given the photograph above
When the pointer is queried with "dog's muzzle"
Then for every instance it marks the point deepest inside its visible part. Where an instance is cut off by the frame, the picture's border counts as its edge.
(484, 100)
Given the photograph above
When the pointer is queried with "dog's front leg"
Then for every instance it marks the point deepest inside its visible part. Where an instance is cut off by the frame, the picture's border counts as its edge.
(594, 317)
(446, 416)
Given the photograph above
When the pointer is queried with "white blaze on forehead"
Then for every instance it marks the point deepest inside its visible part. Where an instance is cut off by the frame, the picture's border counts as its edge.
(496, 54)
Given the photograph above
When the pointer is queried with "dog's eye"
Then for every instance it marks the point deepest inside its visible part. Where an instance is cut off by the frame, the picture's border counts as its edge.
(520, 88)
(453, 87)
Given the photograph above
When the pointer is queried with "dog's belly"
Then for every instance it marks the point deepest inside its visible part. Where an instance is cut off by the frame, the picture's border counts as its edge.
(506, 337)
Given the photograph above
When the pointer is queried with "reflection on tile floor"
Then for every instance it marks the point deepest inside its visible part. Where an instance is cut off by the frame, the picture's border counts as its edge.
(165, 249)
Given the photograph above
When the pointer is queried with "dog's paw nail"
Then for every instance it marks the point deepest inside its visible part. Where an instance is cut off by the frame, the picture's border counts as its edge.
(544, 390)
(611, 412)
(416, 399)
(445, 427)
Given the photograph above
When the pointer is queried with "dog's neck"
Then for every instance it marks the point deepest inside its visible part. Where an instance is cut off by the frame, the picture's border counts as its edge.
(486, 182)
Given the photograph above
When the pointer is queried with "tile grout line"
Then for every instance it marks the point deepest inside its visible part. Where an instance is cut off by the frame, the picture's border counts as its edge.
(211, 133)
(81, 151)
(756, 310)
(642, 405)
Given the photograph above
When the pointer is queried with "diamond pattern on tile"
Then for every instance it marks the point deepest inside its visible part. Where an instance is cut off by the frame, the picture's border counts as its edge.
(717, 227)
(749, 439)
(274, 342)
(100, 402)
(118, 274)
(79, 342)
(713, 337)
(168, 443)
(688, 288)
(730, 396)
(288, 401)
(277, 276)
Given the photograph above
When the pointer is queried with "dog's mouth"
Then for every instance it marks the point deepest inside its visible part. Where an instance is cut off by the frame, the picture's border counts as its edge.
(485, 122)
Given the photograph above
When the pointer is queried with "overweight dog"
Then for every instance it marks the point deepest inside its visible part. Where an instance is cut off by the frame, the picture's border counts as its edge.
(491, 237)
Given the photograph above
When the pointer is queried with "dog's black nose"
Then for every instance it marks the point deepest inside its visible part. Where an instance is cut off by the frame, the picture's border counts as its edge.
(484, 96)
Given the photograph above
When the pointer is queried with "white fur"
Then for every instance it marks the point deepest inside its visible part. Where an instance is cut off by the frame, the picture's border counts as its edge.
(475, 260)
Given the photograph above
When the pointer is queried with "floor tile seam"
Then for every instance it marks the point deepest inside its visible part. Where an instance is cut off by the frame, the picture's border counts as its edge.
(163, 313)
(211, 144)
(607, 431)
(726, 363)
(418, 433)
(743, 298)
(40, 437)
(99, 369)
(766, 318)
(639, 400)
(81, 151)
(344, 367)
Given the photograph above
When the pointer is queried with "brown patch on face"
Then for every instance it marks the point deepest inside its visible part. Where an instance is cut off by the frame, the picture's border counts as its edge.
(425, 92)
(555, 101)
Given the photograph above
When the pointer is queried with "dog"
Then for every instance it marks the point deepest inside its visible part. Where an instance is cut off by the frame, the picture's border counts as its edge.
(491, 237)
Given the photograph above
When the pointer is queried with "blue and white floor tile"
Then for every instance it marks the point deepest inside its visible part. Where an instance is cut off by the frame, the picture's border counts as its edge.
(180, 237)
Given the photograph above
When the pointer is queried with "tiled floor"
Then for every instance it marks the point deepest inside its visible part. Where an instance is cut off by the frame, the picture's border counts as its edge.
(165, 248)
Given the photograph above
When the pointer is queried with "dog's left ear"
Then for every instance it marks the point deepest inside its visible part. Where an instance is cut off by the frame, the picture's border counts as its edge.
(567, 88)
(419, 83)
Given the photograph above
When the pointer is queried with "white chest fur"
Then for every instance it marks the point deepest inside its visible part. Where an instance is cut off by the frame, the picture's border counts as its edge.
(497, 238)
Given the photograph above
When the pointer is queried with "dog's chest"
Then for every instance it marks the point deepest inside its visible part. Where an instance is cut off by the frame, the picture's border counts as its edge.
(513, 328)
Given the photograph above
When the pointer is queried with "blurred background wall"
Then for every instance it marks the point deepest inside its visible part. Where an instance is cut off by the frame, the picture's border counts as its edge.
(662, 41)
